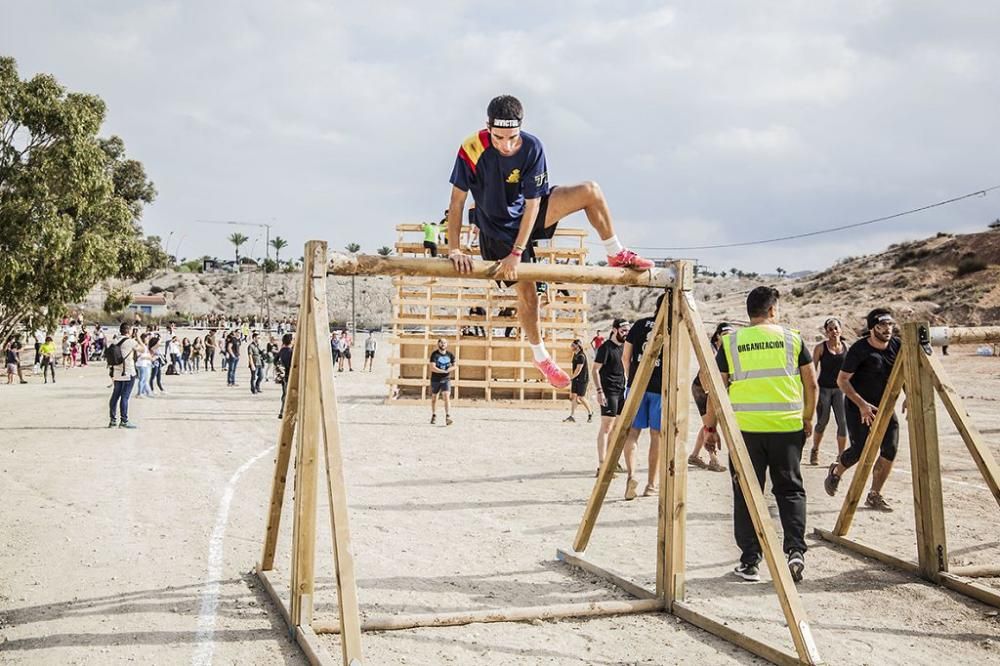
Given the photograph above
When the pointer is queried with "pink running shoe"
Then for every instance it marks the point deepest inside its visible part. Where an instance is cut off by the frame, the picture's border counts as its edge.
(629, 259)
(553, 373)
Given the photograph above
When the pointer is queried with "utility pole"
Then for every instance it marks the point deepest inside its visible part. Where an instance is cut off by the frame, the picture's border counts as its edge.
(266, 306)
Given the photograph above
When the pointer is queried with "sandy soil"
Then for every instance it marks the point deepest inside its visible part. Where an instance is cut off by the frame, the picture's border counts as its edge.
(106, 553)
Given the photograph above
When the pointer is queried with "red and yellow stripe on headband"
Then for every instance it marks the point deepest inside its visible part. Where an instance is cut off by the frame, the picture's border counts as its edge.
(474, 147)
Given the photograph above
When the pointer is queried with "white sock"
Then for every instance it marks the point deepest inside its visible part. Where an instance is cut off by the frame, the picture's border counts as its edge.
(612, 246)
(538, 351)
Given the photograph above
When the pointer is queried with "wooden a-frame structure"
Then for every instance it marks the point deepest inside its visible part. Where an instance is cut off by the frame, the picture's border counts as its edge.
(919, 375)
(310, 418)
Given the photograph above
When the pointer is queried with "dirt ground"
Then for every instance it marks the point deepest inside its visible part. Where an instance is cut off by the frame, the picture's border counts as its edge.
(124, 546)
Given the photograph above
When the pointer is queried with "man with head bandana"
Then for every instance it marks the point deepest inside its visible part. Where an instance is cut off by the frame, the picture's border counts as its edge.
(863, 378)
(505, 170)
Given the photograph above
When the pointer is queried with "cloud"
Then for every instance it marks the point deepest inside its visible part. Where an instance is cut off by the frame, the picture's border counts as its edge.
(702, 122)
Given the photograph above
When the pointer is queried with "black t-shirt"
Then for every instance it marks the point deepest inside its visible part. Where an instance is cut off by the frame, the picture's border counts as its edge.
(639, 336)
(442, 361)
(871, 368)
(612, 371)
(580, 359)
(285, 359)
(234, 346)
(11, 355)
(805, 358)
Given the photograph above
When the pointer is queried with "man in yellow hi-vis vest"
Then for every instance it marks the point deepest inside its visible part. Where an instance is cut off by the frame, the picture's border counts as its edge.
(772, 386)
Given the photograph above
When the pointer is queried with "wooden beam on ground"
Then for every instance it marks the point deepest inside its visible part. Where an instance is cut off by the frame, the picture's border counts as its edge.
(981, 453)
(960, 335)
(286, 435)
(315, 652)
(739, 460)
(580, 562)
(869, 551)
(726, 632)
(265, 580)
(970, 588)
(925, 461)
(976, 571)
(616, 438)
(326, 399)
(863, 468)
(557, 611)
(441, 267)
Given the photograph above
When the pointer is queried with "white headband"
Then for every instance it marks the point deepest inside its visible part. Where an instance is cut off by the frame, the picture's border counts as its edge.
(505, 122)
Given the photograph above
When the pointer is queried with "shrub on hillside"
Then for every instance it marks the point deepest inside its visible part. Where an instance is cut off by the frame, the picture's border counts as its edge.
(969, 265)
(798, 291)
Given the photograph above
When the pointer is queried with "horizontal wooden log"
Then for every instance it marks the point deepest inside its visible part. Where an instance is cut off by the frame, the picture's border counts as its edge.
(441, 267)
(963, 335)
(976, 571)
(568, 232)
(553, 612)
(734, 636)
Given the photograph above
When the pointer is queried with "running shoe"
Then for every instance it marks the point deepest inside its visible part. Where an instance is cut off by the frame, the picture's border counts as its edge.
(832, 481)
(631, 489)
(447, 420)
(697, 462)
(553, 373)
(127, 425)
(569, 419)
(747, 571)
(715, 467)
(629, 259)
(113, 423)
(877, 502)
(590, 417)
(796, 565)
(814, 456)
(650, 490)
(433, 418)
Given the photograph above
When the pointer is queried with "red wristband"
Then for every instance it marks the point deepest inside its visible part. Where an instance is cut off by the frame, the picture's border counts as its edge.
(708, 429)
(516, 252)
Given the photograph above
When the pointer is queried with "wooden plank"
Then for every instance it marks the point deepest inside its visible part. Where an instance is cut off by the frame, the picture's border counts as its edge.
(282, 607)
(569, 232)
(974, 441)
(580, 562)
(964, 335)
(739, 460)
(326, 398)
(315, 652)
(441, 267)
(675, 397)
(616, 438)
(863, 468)
(869, 551)
(286, 435)
(970, 588)
(932, 546)
(724, 631)
(400, 621)
(310, 425)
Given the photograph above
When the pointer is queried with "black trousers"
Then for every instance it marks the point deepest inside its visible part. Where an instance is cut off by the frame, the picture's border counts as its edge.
(779, 453)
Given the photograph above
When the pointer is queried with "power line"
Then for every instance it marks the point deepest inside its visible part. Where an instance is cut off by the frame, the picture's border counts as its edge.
(977, 193)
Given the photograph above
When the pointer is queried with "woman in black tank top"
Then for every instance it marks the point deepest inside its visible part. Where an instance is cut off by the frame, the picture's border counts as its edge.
(829, 357)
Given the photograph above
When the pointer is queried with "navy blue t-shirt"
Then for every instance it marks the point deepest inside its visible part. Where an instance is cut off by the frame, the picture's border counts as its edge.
(500, 184)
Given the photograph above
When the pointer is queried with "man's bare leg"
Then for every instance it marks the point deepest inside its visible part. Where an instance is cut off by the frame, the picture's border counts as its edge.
(631, 441)
(446, 396)
(880, 473)
(654, 457)
(588, 197)
(527, 311)
(434, 405)
(602, 437)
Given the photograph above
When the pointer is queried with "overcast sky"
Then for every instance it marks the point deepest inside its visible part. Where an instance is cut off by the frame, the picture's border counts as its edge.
(704, 122)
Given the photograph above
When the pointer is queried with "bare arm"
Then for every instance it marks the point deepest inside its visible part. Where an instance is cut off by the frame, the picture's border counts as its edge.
(456, 207)
(627, 359)
(810, 395)
(817, 352)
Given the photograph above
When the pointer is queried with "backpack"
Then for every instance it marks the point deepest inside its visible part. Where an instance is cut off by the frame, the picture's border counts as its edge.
(113, 354)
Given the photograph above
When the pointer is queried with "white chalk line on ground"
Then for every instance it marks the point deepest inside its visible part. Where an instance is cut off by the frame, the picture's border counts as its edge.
(210, 595)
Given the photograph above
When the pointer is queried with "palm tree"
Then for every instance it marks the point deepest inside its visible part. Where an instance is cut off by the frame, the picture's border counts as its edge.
(352, 247)
(384, 251)
(238, 239)
(278, 244)
(780, 271)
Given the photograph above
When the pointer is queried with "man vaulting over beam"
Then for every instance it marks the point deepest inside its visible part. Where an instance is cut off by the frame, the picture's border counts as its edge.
(505, 170)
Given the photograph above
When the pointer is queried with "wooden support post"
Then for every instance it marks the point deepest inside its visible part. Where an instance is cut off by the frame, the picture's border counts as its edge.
(310, 424)
(985, 461)
(932, 548)
(326, 402)
(616, 439)
(862, 470)
(739, 459)
(671, 528)
(286, 435)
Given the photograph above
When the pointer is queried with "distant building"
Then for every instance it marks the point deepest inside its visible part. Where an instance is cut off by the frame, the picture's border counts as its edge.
(149, 305)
